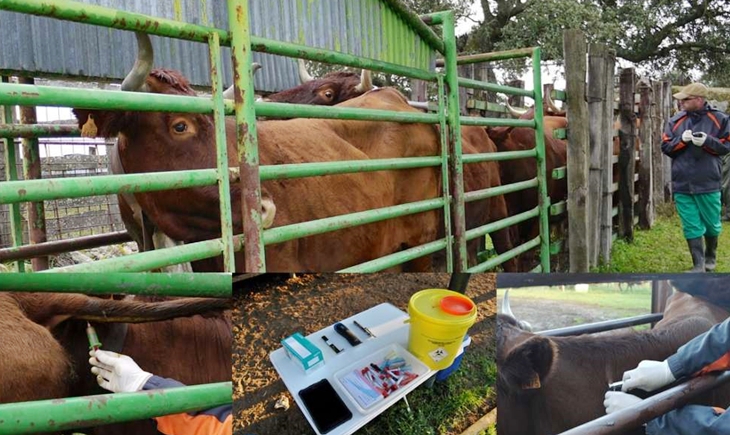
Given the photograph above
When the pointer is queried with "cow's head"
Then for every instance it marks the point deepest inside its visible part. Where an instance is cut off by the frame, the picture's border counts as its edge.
(168, 141)
(548, 109)
(333, 88)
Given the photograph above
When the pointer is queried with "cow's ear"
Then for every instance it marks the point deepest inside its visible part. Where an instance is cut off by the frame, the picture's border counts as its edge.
(99, 123)
(530, 362)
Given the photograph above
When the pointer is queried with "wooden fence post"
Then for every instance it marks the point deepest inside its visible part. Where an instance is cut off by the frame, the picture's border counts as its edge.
(627, 155)
(667, 109)
(575, 49)
(657, 124)
(596, 102)
(646, 200)
(516, 100)
(466, 71)
(606, 217)
(418, 90)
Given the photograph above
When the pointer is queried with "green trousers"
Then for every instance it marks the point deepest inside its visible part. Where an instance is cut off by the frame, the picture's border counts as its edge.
(700, 214)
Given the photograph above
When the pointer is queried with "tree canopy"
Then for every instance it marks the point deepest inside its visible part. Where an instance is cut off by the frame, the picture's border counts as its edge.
(665, 36)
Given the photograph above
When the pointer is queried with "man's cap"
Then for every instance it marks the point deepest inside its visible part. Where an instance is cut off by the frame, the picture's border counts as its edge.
(692, 90)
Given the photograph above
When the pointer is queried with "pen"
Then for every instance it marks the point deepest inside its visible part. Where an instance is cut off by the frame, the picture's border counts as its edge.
(367, 331)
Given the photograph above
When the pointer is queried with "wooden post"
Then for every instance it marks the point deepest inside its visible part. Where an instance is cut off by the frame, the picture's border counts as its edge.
(596, 99)
(646, 197)
(626, 157)
(465, 94)
(32, 171)
(660, 292)
(667, 109)
(418, 90)
(575, 49)
(606, 207)
(657, 127)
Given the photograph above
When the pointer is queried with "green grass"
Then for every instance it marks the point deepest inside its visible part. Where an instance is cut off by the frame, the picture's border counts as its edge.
(626, 302)
(445, 408)
(662, 249)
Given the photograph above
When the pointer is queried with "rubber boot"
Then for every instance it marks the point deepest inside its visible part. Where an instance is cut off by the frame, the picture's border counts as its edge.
(710, 253)
(698, 254)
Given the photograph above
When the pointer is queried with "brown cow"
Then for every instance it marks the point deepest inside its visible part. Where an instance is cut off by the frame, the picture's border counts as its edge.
(193, 350)
(340, 86)
(522, 139)
(168, 142)
(332, 88)
(547, 385)
(35, 365)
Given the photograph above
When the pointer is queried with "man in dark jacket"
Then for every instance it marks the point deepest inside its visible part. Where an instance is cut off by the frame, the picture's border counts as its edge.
(696, 139)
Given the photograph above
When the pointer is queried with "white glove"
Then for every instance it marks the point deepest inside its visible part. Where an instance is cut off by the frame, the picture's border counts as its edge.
(687, 136)
(116, 372)
(648, 376)
(699, 139)
(616, 401)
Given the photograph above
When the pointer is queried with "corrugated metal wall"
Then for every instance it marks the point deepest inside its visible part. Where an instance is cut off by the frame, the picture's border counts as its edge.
(48, 46)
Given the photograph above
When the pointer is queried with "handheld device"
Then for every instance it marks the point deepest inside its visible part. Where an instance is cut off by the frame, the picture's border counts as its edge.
(325, 406)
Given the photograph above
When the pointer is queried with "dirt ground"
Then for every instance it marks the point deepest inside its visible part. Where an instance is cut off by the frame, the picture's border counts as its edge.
(269, 308)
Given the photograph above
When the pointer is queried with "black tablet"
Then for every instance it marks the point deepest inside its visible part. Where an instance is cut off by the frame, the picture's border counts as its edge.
(325, 406)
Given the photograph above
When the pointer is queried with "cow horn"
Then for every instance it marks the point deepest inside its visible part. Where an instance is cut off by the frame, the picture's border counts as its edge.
(228, 93)
(551, 105)
(304, 75)
(366, 82)
(135, 80)
(507, 311)
(515, 112)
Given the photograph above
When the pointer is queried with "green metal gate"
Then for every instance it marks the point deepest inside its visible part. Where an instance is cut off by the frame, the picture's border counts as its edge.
(403, 31)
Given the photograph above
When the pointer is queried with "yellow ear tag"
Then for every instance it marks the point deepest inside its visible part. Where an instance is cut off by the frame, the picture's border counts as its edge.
(89, 128)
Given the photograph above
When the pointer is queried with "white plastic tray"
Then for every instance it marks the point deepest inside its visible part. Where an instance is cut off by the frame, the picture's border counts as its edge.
(377, 357)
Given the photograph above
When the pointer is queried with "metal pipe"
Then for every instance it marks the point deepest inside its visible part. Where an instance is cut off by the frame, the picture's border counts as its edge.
(608, 325)
(299, 170)
(39, 130)
(11, 173)
(499, 190)
(60, 246)
(652, 407)
(501, 258)
(501, 224)
(497, 122)
(502, 155)
(542, 193)
(445, 178)
(397, 258)
(490, 57)
(221, 149)
(77, 412)
(458, 282)
(40, 190)
(215, 285)
(329, 112)
(492, 87)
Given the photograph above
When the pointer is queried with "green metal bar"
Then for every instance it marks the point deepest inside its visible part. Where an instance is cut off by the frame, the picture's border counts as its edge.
(221, 147)
(39, 130)
(556, 247)
(72, 413)
(295, 231)
(496, 157)
(299, 170)
(560, 133)
(500, 224)
(101, 16)
(328, 112)
(492, 57)
(11, 173)
(492, 87)
(499, 190)
(445, 173)
(558, 95)
(38, 190)
(456, 168)
(501, 258)
(401, 257)
(559, 173)
(149, 260)
(558, 208)
(497, 122)
(158, 284)
(543, 198)
(413, 20)
(333, 57)
(246, 137)
(35, 95)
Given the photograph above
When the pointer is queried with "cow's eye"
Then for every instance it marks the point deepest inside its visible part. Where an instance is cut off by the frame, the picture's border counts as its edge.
(328, 94)
(180, 127)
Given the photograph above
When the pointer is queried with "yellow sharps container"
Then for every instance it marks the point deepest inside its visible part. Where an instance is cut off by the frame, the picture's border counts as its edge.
(439, 321)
